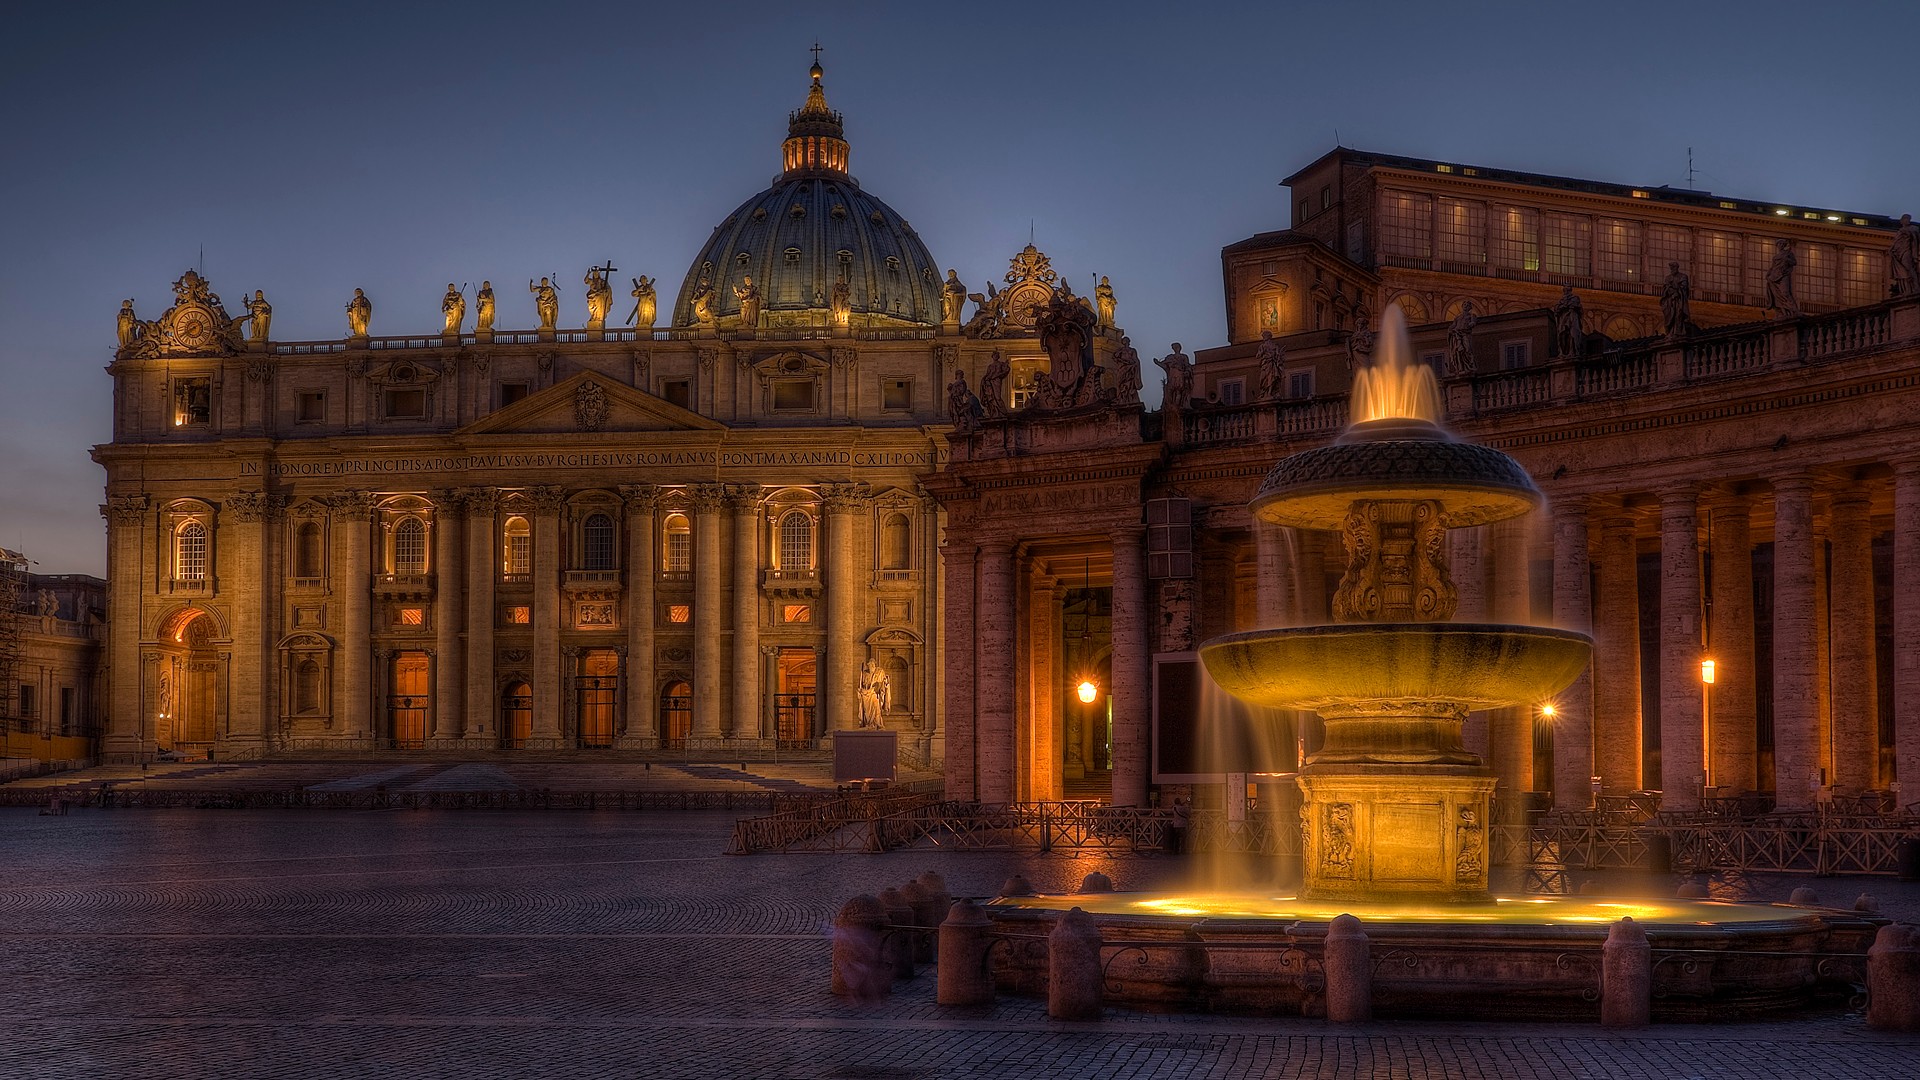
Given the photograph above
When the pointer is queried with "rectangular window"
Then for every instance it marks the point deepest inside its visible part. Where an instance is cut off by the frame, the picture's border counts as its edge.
(1406, 227)
(1669, 244)
(1566, 245)
(792, 394)
(28, 706)
(1719, 266)
(404, 404)
(1326, 197)
(1231, 391)
(192, 402)
(1306, 210)
(1816, 277)
(896, 394)
(1515, 354)
(520, 554)
(1620, 253)
(1460, 236)
(679, 551)
(1754, 273)
(513, 391)
(678, 392)
(679, 613)
(410, 616)
(1515, 239)
(796, 613)
(66, 709)
(1434, 360)
(1862, 276)
(1300, 384)
(310, 407)
(516, 615)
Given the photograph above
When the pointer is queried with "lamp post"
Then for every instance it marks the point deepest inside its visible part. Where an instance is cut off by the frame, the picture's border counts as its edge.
(1707, 674)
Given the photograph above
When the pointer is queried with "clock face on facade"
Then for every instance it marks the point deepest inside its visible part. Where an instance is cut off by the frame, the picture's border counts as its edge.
(192, 328)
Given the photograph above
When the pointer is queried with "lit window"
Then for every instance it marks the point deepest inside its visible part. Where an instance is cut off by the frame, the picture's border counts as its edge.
(410, 547)
(519, 553)
(596, 536)
(412, 616)
(190, 552)
(1515, 238)
(796, 613)
(192, 402)
(1460, 235)
(1566, 242)
(1619, 244)
(796, 541)
(679, 613)
(517, 615)
(1406, 225)
(679, 546)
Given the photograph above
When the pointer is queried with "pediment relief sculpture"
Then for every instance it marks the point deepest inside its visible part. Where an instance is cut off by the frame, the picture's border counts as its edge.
(789, 362)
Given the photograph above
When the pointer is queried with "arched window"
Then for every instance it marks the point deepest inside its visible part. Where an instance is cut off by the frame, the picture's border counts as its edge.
(896, 543)
(306, 687)
(190, 552)
(306, 550)
(410, 546)
(677, 553)
(796, 541)
(519, 553)
(596, 542)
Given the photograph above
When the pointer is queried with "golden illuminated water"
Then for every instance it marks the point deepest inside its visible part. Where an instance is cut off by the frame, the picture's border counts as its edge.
(1395, 387)
(1504, 911)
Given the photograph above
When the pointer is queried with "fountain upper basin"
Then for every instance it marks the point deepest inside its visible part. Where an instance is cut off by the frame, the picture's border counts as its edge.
(1476, 665)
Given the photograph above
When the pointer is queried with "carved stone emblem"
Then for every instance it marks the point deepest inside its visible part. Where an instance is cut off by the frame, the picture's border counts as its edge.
(196, 325)
(590, 406)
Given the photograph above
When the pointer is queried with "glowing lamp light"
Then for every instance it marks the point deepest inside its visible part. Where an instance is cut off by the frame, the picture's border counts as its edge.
(1547, 711)
(1088, 691)
(1706, 672)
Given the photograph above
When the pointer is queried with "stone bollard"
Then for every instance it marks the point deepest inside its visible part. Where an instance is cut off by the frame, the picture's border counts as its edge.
(926, 920)
(1017, 885)
(896, 941)
(858, 970)
(1804, 897)
(1348, 963)
(1865, 904)
(1096, 882)
(963, 978)
(938, 901)
(1626, 977)
(1074, 974)
(1893, 979)
(1691, 890)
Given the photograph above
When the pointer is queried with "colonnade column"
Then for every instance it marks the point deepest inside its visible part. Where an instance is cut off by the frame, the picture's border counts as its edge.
(482, 706)
(708, 702)
(1851, 661)
(353, 515)
(1732, 707)
(1273, 574)
(1465, 549)
(642, 563)
(548, 679)
(1906, 628)
(747, 720)
(1043, 682)
(1573, 610)
(1682, 752)
(993, 627)
(839, 695)
(957, 595)
(128, 715)
(1796, 702)
(1510, 735)
(1132, 712)
(1616, 658)
(449, 596)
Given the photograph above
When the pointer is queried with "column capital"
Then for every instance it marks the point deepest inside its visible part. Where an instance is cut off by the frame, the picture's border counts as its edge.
(1852, 497)
(1566, 506)
(639, 499)
(352, 505)
(254, 507)
(744, 498)
(845, 498)
(448, 500)
(547, 499)
(708, 497)
(1132, 535)
(1683, 493)
(480, 501)
(1799, 482)
(126, 509)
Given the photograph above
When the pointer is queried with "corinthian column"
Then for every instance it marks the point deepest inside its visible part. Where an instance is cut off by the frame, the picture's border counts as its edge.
(252, 602)
(449, 676)
(1906, 628)
(1732, 699)
(353, 515)
(129, 716)
(958, 572)
(845, 506)
(745, 500)
(1796, 700)
(548, 678)
(708, 702)
(1573, 610)
(1273, 574)
(1616, 658)
(1856, 699)
(994, 625)
(642, 566)
(482, 564)
(1132, 713)
(1681, 736)
(1043, 683)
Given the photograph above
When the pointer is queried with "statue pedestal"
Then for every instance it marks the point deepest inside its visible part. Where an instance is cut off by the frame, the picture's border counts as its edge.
(864, 754)
(1401, 832)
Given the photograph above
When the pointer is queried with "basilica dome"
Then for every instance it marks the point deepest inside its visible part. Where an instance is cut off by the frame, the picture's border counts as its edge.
(813, 229)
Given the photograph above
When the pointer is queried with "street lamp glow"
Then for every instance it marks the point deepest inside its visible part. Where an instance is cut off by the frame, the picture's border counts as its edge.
(1706, 672)
(1547, 711)
(1088, 691)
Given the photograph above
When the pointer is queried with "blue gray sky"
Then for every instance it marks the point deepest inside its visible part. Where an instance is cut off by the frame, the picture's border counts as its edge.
(394, 147)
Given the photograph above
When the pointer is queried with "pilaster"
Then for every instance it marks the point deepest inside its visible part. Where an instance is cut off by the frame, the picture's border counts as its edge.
(1132, 712)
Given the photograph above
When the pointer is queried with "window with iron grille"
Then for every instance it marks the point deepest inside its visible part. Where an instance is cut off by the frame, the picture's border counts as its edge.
(410, 547)
(190, 552)
(596, 536)
(519, 552)
(796, 541)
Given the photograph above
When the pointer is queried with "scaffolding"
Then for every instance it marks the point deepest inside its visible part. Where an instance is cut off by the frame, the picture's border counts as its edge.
(14, 578)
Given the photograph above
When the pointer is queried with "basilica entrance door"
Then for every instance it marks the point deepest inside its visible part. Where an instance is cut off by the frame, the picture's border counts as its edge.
(516, 716)
(793, 697)
(676, 715)
(407, 700)
(596, 690)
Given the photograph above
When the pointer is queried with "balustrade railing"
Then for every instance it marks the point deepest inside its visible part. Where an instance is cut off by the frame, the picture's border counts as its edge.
(1511, 389)
(1216, 426)
(1845, 332)
(1315, 416)
(1630, 371)
(1726, 356)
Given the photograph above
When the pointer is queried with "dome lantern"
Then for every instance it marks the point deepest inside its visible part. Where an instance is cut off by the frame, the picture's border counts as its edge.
(816, 142)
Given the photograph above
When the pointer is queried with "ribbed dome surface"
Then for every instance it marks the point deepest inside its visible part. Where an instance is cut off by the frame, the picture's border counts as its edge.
(803, 234)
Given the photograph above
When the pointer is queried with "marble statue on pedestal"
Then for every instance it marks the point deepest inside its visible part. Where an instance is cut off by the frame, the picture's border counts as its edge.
(546, 301)
(1128, 383)
(749, 296)
(483, 308)
(1903, 258)
(128, 324)
(645, 303)
(453, 309)
(1103, 301)
(993, 387)
(1460, 341)
(953, 297)
(1179, 369)
(1272, 357)
(599, 297)
(359, 314)
(1676, 302)
(873, 694)
(963, 409)
(1780, 281)
(1568, 335)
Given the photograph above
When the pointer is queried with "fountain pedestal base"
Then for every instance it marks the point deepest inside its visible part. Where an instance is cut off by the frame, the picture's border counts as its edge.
(1386, 833)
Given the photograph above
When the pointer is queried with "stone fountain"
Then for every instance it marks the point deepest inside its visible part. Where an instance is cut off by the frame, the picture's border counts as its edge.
(1395, 809)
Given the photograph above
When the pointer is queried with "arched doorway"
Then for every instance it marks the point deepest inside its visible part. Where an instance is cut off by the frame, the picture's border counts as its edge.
(516, 716)
(407, 699)
(187, 696)
(676, 715)
(793, 695)
(596, 692)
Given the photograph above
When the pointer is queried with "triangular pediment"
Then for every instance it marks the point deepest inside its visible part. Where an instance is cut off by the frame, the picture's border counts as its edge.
(589, 403)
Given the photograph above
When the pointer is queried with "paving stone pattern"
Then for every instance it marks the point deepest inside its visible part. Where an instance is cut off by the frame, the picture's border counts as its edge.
(422, 944)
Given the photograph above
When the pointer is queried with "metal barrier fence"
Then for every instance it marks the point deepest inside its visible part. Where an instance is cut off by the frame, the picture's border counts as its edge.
(136, 795)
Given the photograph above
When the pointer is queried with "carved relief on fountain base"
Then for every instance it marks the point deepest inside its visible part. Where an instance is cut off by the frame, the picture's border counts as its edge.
(1411, 833)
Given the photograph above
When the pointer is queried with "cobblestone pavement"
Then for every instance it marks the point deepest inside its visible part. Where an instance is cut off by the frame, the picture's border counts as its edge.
(418, 944)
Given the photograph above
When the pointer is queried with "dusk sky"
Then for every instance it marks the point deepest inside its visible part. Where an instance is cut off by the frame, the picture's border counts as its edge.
(317, 149)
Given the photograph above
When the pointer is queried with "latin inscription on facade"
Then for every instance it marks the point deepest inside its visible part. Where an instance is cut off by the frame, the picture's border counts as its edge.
(604, 460)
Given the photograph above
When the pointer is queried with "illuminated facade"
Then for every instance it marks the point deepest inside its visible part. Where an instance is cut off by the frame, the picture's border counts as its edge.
(1743, 490)
(693, 537)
